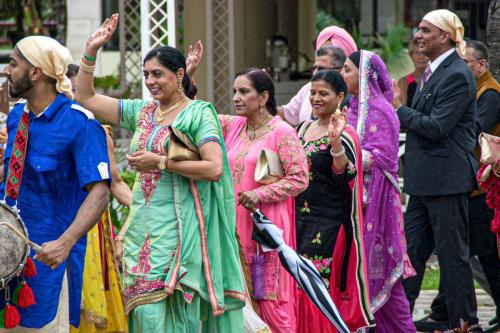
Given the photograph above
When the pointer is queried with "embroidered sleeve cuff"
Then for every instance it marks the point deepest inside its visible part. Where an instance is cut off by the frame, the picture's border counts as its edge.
(259, 194)
(335, 171)
(208, 139)
(120, 112)
(367, 160)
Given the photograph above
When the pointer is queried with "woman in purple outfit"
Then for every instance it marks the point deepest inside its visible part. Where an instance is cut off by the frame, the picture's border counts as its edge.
(373, 116)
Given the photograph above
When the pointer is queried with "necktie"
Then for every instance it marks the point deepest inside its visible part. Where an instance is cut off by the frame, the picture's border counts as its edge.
(16, 164)
(427, 73)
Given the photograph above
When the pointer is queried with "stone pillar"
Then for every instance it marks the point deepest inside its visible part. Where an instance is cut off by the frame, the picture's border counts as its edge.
(84, 16)
(307, 29)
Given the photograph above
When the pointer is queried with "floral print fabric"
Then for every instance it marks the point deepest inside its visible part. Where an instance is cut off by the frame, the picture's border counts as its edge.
(324, 206)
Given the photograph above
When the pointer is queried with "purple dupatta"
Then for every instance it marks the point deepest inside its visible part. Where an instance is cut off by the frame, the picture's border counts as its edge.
(377, 124)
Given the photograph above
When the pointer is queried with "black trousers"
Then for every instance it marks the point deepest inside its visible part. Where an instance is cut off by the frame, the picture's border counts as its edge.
(483, 244)
(441, 223)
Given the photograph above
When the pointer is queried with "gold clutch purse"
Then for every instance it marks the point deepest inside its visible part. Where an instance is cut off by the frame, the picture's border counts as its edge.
(268, 168)
(181, 148)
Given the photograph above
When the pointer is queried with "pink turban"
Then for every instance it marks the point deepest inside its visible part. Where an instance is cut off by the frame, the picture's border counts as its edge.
(339, 38)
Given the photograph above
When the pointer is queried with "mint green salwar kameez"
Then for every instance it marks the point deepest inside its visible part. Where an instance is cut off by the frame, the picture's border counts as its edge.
(181, 263)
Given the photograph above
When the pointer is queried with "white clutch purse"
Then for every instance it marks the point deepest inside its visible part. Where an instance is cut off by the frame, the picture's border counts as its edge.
(490, 148)
(268, 168)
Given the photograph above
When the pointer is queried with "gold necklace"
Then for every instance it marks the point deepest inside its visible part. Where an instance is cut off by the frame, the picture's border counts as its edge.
(163, 113)
(251, 130)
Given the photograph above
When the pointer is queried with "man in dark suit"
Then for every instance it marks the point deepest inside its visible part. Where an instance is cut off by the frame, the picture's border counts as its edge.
(483, 242)
(440, 166)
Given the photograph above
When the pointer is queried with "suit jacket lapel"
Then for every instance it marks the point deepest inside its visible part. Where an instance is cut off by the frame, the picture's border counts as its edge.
(418, 93)
(434, 76)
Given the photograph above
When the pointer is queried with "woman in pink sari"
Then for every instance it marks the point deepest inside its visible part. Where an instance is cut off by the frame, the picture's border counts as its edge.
(377, 125)
(256, 127)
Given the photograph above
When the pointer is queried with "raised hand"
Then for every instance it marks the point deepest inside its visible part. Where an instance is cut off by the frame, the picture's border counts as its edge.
(338, 121)
(397, 99)
(194, 57)
(102, 35)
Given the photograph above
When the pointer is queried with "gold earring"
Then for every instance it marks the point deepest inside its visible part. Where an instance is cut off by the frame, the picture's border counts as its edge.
(180, 89)
(338, 110)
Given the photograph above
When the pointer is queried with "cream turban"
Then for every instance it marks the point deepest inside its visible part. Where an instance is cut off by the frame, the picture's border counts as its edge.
(51, 57)
(449, 22)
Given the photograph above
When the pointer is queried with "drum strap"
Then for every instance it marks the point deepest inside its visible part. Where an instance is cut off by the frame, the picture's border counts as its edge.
(16, 164)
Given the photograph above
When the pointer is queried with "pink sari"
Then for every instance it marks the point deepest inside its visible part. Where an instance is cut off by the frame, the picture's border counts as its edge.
(277, 308)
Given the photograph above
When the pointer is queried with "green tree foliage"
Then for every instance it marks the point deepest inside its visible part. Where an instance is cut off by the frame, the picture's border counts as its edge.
(392, 49)
(324, 20)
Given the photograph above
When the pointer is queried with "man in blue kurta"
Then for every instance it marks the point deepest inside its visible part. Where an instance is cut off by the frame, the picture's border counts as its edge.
(64, 181)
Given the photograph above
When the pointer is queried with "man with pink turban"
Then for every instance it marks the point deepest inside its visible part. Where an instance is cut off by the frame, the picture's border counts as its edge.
(333, 45)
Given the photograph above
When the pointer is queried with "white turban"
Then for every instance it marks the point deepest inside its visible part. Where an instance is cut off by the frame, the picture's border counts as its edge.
(449, 22)
(49, 55)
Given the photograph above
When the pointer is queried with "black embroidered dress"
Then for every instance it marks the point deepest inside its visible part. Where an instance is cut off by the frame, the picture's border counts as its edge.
(325, 205)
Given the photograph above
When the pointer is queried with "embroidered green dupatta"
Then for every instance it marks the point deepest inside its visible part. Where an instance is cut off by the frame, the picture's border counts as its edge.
(216, 214)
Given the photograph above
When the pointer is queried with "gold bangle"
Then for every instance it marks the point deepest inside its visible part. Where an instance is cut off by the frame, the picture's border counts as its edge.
(87, 68)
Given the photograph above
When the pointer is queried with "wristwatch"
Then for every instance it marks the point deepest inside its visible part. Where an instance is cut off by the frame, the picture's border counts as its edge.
(162, 165)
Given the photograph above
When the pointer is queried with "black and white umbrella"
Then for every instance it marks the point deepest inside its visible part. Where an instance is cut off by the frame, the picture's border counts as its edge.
(303, 271)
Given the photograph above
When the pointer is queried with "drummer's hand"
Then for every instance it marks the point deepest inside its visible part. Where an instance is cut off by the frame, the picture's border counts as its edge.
(143, 160)
(248, 199)
(54, 253)
(102, 35)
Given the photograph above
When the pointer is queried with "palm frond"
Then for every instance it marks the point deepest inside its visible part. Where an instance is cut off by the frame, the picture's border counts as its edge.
(392, 49)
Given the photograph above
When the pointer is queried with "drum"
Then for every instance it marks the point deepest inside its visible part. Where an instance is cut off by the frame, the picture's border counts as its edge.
(13, 249)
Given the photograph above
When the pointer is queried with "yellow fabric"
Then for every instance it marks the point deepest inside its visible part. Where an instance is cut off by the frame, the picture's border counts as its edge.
(53, 58)
(449, 22)
(102, 310)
